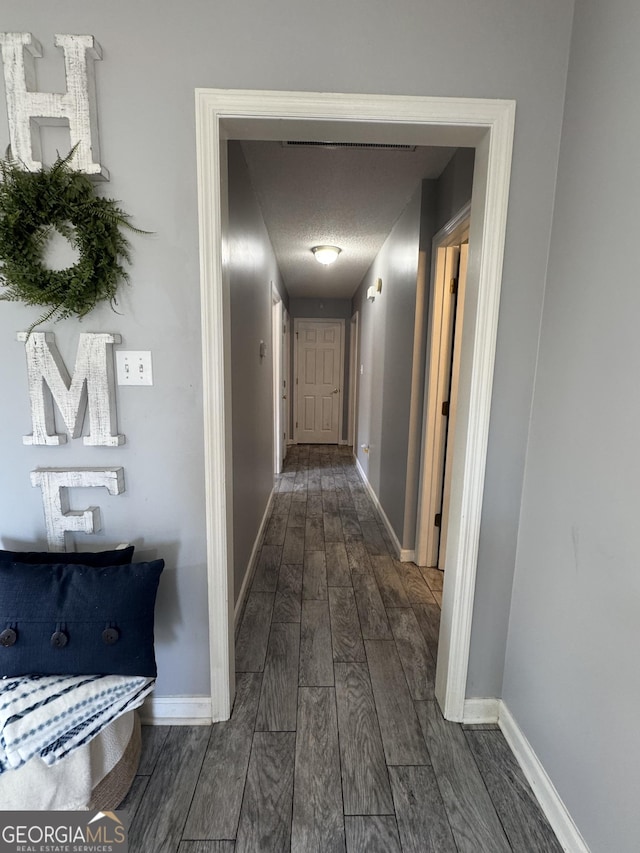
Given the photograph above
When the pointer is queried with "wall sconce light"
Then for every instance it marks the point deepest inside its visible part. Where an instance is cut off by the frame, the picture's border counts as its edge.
(373, 291)
(326, 254)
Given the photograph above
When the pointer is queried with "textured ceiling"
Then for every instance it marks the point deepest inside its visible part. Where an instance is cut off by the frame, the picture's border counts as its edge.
(349, 198)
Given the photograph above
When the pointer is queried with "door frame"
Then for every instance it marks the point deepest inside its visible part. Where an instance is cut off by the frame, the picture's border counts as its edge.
(286, 376)
(278, 374)
(449, 235)
(296, 321)
(484, 124)
(354, 340)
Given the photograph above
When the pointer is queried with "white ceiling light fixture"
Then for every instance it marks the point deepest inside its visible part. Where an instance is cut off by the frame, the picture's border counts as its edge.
(326, 254)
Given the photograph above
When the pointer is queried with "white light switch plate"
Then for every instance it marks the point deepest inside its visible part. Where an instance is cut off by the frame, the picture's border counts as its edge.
(134, 368)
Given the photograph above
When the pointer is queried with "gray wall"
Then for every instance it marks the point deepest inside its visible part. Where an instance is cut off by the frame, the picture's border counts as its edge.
(155, 55)
(454, 186)
(334, 309)
(386, 355)
(252, 270)
(571, 676)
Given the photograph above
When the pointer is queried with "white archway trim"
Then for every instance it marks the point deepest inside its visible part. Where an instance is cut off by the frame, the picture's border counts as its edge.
(486, 125)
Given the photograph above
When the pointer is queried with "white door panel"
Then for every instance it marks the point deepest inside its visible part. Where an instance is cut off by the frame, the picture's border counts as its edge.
(319, 350)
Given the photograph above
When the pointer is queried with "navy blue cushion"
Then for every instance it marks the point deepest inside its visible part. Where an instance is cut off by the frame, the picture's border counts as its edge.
(66, 619)
(118, 557)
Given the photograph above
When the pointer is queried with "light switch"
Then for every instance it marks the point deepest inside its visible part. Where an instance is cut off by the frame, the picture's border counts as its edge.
(134, 368)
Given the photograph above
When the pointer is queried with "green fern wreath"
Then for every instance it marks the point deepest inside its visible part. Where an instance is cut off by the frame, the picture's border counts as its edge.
(32, 205)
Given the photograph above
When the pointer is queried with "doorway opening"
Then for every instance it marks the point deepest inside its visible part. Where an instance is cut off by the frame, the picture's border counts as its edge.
(279, 393)
(354, 372)
(450, 253)
(483, 124)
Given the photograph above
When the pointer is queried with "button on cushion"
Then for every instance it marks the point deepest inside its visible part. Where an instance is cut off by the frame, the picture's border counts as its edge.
(110, 636)
(8, 637)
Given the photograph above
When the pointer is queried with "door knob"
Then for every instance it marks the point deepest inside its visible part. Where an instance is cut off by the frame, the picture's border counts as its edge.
(284, 396)
(336, 391)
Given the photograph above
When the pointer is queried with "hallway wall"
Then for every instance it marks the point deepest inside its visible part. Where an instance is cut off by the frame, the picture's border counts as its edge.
(386, 356)
(155, 55)
(252, 270)
(571, 677)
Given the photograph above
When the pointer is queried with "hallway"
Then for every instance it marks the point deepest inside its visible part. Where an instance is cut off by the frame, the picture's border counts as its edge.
(336, 742)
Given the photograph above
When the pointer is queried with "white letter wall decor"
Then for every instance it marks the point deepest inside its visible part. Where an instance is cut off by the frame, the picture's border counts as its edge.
(92, 383)
(75, 107)
(59, 519)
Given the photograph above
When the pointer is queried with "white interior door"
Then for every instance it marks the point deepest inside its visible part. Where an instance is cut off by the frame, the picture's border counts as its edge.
(447, 266)
(453, 403)
(319, 373)
(276, 349)
(286, 379)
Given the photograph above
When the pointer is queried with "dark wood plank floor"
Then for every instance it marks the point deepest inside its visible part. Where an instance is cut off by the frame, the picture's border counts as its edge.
(335, 744)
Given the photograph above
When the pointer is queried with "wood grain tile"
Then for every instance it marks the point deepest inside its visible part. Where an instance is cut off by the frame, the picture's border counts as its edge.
(329, 501)
(266, 576)
(327, 483)
(376, 545)
(297, 514)
(314, 533)
(365, 781)
(332, 527)
(373, 616)
(345, 626)
(372, 835)
(217, 798)
(418, 665)
(286, 606)
(318, 822)
(165, 804)
(338, 573)
(523, 820)
(276, 528)
(134, 796)
(279, 698)
(428, 616)
(316, 656)
(358, 556)
(251, 646)
(345, 499)
(293, 549)
(401, 735)
(433, 577)
(153, 738)
(206, 847)
(422, 820)
(471, 813)
(265, 819)
(389, 583)
(314, 577)
(314, 505)
(281, 503)
(350, 524)
(414, 584)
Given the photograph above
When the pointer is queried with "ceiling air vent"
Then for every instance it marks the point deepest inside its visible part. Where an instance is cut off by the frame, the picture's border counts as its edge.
(373, 145)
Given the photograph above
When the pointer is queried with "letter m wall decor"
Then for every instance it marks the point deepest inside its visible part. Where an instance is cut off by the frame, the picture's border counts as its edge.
(92, 387)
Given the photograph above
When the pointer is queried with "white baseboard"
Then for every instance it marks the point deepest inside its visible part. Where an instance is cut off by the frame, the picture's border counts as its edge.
(480, 711)
(555, 810)
(407, 556)
(176, 711)
(394, 539)
(251, 566)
